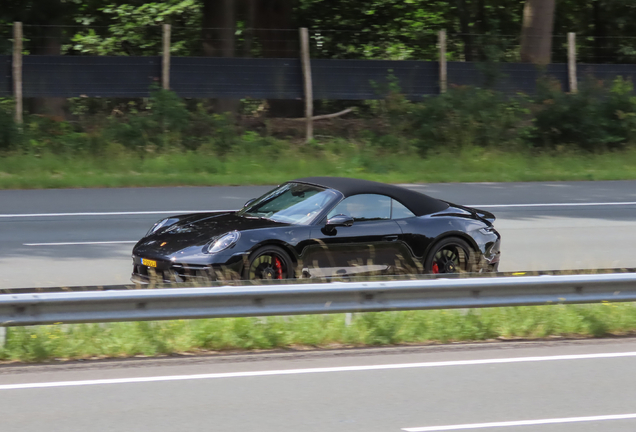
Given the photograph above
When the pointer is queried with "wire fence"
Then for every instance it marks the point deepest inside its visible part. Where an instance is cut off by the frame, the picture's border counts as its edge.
(359, 45)
(189, 41)
(147, 40)
(607, 50)
(6, 39)
(251, 64)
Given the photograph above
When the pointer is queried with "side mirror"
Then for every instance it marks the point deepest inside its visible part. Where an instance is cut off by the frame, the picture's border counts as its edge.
(249, 202)
(339, 221)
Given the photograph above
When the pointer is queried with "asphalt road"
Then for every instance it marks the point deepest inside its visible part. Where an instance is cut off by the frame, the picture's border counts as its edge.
(575, 386)
(84, 237)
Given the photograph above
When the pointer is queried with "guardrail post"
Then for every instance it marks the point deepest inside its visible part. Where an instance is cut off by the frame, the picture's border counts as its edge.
(165, 60)
(443, 71)
(3, 336)
(309, 94)
(572, 62)
(348, 319)
(17, 70)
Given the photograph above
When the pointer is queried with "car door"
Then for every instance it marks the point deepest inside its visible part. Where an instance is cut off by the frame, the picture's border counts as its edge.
(370, 245)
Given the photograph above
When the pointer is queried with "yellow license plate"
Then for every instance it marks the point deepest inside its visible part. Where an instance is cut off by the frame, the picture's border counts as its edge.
(149, 263)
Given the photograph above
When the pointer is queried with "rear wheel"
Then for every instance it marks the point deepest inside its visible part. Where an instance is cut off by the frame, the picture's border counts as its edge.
(269, 262)
(451, 255)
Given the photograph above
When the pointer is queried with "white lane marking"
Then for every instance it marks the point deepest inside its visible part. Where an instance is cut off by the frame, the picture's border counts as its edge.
(315, 370)
(80, 243)
(520, 423)
(26, 215)
(554, 204)
(38, 215)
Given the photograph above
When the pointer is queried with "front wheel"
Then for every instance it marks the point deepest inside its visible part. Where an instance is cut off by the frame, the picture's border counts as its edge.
(451, 255)
(269, 262)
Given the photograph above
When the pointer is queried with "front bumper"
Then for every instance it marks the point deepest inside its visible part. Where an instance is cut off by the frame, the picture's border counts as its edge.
(168, 272)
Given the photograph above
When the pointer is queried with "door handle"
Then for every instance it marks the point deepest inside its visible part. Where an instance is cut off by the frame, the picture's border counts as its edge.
(391, 238)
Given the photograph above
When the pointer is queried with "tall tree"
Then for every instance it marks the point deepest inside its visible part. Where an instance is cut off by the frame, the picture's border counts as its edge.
(218, 33)
(219, 26)
(43, 31)
(277, 34)
(464, 26)
(536, 31)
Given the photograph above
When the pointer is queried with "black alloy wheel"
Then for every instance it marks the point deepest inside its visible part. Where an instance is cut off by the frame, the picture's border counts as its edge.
(269, 262)
(451, 255)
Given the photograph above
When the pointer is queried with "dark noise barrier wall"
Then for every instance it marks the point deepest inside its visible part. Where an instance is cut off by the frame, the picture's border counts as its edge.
(237, 78)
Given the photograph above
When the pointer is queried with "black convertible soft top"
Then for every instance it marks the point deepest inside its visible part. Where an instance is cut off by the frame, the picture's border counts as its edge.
(418, 203)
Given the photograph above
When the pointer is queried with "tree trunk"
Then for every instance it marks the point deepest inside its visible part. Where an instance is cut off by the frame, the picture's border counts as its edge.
(219, 27)
(482, 20)
(279, 40)
(250, 21)
(482, 28)
(464, 26)
(536, 32)
(600, 36)
(48, 41)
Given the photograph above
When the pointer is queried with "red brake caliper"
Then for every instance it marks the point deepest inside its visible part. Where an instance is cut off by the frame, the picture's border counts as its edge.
(435, 268)
(278, 266)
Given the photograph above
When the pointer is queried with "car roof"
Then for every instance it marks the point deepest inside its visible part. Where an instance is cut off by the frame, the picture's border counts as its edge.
(416, 202)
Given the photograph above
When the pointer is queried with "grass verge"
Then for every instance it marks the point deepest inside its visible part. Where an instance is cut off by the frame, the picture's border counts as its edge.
(18, 171)
(42, 343)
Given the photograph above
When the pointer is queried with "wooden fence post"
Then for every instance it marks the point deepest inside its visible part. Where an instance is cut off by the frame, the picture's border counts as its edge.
(572, 62)
(443, 77)
(17, 70)
(165, 61)
(309, 94)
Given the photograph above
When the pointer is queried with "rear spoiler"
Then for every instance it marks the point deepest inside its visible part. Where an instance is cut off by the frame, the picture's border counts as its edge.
(484, 215)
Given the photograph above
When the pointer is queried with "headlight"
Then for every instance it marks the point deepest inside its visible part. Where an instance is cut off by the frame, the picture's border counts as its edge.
(160, 224)
(223, 242)
(487, 230)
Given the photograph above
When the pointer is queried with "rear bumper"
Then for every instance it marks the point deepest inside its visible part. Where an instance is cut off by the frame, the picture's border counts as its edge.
(489, 267)
(490, 255)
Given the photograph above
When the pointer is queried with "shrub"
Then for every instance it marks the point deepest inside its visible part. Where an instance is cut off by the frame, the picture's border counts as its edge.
(168, 111)
(43, 134)
(466, 116)
(620, 107)
(166, 123)
(162, 124)
(225, 135)
(9, 135)
(136, 132)
(594, 119)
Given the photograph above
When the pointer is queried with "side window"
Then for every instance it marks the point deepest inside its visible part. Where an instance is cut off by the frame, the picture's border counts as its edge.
(364, 207)
(399, 211)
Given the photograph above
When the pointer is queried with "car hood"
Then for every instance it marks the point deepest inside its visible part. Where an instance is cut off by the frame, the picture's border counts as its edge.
(197, 230)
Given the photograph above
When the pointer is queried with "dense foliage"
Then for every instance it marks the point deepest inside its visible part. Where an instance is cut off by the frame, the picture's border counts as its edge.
(595, 119)
(362, 29)
(599, 117)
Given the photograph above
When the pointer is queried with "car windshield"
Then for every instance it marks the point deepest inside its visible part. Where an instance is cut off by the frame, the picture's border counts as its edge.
(294, 203)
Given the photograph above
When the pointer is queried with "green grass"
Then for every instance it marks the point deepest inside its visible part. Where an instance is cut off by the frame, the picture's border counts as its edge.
(19, 171)
(41, 343)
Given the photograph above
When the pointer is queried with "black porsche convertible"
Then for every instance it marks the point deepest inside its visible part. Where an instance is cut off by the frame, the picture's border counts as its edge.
(321, 227)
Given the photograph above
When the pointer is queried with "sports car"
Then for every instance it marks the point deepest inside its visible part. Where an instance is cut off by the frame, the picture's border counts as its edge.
(321, 227)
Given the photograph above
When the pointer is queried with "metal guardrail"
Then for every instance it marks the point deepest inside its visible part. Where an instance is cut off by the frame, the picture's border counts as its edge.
(295, 299)
(376, 278)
